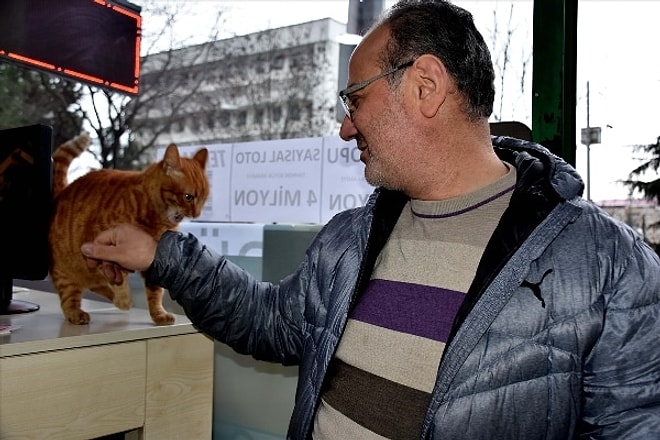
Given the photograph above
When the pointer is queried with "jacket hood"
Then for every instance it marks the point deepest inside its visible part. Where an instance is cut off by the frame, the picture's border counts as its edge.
(538, 168)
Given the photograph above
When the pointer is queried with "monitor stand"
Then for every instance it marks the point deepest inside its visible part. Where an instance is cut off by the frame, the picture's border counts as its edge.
(16, 307)
(10, 306)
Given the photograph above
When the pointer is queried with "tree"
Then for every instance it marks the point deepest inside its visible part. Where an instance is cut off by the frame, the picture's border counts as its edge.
(31, 97)
(185, 91)
(274, 84)
(512, 56)
(126, 142)
(650, 189)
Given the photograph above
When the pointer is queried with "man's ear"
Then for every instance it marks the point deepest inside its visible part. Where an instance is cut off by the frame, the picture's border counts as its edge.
(431, 82)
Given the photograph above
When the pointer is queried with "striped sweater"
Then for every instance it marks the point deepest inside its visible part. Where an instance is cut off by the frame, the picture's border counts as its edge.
(380, 380)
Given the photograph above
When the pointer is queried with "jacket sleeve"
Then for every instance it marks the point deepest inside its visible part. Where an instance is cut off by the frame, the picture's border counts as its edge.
(227, 303)
(622, 372)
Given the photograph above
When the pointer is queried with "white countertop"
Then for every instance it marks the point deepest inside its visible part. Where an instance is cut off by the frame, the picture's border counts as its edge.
(46, 329)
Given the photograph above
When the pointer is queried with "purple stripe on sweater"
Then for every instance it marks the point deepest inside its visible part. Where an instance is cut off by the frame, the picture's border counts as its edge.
(409, 308)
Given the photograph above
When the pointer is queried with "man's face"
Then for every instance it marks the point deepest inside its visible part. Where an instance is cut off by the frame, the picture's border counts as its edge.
(377, 121)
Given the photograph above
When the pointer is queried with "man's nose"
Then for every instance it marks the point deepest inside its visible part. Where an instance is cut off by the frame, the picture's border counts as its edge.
(347, 131)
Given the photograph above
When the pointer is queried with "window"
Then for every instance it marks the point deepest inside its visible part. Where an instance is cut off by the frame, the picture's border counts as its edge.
(278, 62)
(241, 118)
(224, 119)
(194, 122)
(210, 121)
(258, 115)
(277, 113)
(293, 111)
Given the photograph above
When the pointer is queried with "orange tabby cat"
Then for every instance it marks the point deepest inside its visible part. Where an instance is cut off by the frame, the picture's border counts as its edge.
(156, 199)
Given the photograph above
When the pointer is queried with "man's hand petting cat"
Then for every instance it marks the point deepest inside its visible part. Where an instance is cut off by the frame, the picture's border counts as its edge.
(124, 248)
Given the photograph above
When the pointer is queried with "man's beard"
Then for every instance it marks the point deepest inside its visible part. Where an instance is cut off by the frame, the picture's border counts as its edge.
(375, 174)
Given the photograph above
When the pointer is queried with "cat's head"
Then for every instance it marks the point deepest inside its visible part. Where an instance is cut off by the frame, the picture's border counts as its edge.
(186, 187)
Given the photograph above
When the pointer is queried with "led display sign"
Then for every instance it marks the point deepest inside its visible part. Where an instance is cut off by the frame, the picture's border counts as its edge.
(92, 41)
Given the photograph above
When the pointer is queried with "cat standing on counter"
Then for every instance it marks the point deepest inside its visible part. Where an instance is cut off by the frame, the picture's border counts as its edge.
(156, 199)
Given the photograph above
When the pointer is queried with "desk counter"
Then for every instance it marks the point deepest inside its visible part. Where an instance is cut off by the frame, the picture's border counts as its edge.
(120, 373)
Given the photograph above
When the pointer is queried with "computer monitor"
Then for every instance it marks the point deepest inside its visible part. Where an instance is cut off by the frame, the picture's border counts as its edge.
(25, 209)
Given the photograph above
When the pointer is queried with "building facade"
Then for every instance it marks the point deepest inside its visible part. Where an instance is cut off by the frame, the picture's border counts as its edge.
(643, 215)
(276, 84)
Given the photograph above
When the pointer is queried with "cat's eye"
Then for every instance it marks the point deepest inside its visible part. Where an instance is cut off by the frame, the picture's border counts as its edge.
(188, 197)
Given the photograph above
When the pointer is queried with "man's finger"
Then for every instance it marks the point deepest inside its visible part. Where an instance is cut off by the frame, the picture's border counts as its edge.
(92, 263)
(112, 272)
(98, 250)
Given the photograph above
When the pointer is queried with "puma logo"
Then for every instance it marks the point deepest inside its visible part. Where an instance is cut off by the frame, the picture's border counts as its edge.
(536, 287)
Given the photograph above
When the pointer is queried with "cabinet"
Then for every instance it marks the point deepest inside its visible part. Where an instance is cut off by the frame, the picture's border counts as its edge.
(120, 373)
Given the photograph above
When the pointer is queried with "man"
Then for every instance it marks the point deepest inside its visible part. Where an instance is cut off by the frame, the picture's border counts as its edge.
(476, 295)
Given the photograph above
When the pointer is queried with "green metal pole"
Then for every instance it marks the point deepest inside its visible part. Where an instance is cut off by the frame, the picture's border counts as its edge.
(554, 76)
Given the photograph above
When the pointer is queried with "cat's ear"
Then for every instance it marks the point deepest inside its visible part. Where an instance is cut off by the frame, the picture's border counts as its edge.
(171, 160)
(201, 156)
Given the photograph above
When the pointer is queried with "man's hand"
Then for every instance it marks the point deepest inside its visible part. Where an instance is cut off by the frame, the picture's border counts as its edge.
(120, 249)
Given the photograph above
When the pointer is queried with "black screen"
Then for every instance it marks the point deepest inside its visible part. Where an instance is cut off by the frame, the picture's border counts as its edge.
(93, 41)
(25, 205)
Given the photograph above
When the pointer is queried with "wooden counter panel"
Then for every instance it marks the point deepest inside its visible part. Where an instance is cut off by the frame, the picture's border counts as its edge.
(119, 373)
(73, 394)
(179, 387)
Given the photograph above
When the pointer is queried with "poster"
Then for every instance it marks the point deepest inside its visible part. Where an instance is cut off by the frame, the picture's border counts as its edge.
(343, 184)
(276, 181)
(306, 180)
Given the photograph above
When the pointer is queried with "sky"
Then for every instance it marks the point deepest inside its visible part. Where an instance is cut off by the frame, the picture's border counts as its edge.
(617, 56)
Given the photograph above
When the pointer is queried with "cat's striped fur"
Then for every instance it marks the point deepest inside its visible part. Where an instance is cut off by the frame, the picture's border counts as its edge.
(156, 199)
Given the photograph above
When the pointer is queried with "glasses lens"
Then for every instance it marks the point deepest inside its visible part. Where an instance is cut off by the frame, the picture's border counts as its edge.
(344, 103)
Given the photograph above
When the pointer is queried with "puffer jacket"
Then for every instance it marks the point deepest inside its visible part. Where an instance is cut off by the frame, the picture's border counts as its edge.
(558, 336)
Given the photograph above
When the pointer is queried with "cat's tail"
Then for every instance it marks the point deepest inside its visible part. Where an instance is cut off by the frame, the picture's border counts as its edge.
(62, 158)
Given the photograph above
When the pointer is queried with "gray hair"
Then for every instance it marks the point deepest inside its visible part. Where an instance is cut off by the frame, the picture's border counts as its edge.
(439, 28)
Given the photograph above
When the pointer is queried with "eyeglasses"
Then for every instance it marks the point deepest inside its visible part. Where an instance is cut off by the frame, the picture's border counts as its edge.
(344, 94)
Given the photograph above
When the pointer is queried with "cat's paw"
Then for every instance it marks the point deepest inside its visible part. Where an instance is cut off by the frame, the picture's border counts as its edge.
(163, 318)
(122, 302)
(78, 317)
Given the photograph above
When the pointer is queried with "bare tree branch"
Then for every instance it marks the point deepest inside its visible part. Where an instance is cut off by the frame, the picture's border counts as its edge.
(113, 116)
